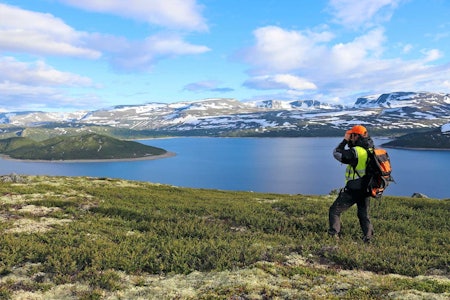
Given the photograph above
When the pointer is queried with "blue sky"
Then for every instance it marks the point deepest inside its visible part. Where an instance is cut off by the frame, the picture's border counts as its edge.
(60, 55)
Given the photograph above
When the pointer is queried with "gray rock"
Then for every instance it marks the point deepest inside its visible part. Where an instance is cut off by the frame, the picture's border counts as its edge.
(419, 195)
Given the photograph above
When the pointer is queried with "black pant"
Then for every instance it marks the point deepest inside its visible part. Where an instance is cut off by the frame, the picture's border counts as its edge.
(344, 201)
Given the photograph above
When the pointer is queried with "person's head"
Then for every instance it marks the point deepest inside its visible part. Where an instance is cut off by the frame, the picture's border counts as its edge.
(356, 132)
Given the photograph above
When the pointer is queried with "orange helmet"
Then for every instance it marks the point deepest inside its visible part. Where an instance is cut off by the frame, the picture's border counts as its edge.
(358, 129)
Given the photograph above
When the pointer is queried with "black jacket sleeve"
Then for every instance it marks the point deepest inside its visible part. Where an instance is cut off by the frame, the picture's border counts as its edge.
(345, 156)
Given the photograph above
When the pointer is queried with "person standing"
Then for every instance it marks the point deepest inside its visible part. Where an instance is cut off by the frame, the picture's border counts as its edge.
(353, 152)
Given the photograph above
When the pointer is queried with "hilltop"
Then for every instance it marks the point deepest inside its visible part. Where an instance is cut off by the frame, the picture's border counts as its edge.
(100, 238)
(89, 146)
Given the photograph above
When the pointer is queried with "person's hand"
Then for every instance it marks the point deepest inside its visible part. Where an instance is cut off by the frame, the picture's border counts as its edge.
(347, 136)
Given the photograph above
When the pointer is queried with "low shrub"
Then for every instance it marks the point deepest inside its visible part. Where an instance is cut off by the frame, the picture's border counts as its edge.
(136, 228)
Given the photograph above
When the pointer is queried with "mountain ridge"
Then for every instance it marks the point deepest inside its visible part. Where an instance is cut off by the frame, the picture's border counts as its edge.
(216, 116)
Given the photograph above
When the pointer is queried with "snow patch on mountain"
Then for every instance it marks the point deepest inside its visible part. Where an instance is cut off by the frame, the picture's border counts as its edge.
(305, 105)
(445, 129)
(142, 109)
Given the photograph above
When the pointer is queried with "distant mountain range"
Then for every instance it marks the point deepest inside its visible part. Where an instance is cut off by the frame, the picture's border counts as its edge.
(393, 112)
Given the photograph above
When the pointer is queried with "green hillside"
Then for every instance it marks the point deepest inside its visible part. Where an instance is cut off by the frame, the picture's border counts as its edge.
(99, 238)
(86, 146)
(13, 143)
(422, 140)
(44, 132)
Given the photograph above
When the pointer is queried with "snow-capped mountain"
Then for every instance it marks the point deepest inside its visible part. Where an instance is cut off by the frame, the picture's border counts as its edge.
(397, 110)
(403, 99)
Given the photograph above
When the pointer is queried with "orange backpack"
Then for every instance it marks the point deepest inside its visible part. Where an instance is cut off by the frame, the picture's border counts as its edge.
(379, 171)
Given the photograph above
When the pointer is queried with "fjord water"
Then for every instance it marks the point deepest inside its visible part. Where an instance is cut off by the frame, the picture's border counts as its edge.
(278, 165)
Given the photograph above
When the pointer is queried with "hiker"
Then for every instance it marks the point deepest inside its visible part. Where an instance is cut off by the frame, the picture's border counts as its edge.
(355, 191)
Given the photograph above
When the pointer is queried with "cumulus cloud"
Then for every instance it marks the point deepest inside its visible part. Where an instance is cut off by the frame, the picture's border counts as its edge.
(38, 73)
(280, 81)
(284, 50)
(311, 61)
(348, 56)
(184, 14)
(34, 33)
(311, 54)
(37, 84)
(357, 13)
(432, 54)
(38, 33)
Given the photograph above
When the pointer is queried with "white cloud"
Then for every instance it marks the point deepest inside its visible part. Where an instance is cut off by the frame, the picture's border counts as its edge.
(37, 85)
(283, 50)
(38, 73)
(356, 13)
(184, 14)
(16, 96)
(142, 55)
(432, 54)
(337, 69)
(280, 81)
(38, 33)
(348, 56)
(19, 91)
(171, 45)
(294, 82)
(278, 50)
(407, 48)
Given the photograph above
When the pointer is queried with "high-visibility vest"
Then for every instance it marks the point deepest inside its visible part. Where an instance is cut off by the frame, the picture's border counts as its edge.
(360, 169)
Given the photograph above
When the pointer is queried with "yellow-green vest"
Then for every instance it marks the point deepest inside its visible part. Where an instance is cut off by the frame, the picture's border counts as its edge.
(360, 169)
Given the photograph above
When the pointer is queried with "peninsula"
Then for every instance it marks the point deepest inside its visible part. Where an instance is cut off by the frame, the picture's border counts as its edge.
(428, 140)
(86, 147)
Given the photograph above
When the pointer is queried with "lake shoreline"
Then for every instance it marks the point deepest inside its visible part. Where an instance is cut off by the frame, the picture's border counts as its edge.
(412, 148)
(259, 165)
(149, 157)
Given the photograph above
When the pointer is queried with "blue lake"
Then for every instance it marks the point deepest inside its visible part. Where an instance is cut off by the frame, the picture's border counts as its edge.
(278, 165)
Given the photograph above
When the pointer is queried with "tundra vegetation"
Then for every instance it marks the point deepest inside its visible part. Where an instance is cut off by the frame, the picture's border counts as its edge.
(101, 238)
(82, 146)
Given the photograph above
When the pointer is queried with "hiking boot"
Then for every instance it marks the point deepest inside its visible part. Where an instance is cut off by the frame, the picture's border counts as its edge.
(366, 240)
